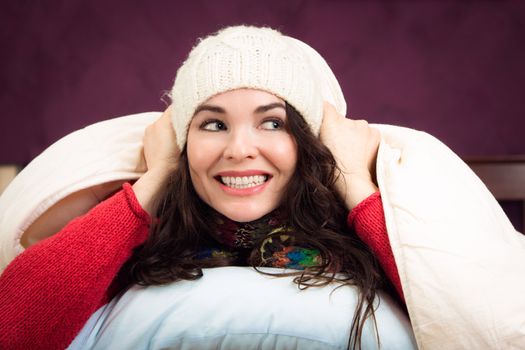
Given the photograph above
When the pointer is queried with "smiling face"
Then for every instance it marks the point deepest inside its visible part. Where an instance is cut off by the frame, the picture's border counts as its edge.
(240, 154)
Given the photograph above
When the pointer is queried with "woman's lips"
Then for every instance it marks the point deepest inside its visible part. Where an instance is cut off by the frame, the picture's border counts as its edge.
(236, 173)
(243, 183)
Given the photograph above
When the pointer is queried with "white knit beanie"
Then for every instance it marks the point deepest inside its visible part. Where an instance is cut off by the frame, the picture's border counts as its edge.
(258, 58)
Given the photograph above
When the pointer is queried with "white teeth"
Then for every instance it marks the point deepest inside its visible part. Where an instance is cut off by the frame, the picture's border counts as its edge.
(244, 181)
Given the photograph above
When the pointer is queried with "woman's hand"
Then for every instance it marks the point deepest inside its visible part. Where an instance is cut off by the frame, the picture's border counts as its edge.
(161, 153)
(160, 145)
(354, 145)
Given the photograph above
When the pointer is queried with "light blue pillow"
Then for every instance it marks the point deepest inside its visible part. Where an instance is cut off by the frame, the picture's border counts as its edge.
(239, 308)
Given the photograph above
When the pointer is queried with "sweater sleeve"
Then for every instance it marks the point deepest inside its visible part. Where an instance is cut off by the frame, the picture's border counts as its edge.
(368, 220)
(50, 290)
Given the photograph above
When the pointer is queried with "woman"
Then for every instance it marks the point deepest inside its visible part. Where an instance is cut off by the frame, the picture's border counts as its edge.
(244, 179)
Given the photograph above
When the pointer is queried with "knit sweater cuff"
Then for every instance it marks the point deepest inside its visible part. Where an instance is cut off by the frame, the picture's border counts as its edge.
(365, 204)
(368, 220)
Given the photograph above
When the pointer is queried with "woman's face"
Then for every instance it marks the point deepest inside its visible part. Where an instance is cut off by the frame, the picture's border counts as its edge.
(241, 157)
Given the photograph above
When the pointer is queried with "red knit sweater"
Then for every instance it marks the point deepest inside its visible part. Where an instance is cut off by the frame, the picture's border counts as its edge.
(48, 292)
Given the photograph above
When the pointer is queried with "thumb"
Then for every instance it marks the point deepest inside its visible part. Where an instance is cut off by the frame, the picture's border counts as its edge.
(329, 111)
(330, 115)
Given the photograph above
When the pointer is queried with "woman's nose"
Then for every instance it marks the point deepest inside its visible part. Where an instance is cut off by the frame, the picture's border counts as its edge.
(240, 145)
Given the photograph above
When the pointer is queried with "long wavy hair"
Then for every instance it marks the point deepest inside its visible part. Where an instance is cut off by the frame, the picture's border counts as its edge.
(314, 212)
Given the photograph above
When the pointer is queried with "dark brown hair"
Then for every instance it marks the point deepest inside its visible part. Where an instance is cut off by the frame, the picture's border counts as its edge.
(313, 210)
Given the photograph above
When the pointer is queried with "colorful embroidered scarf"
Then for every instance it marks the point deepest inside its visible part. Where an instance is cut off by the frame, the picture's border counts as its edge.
(277, 247)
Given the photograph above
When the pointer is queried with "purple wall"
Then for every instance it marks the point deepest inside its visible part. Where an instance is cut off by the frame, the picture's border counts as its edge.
(452, 68)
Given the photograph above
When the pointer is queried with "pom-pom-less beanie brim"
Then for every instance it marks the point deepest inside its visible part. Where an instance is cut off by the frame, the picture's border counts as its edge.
(256, 58)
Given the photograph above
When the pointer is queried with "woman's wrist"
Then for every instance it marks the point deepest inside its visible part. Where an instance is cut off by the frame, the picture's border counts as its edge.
(357, 189)
(149, 186)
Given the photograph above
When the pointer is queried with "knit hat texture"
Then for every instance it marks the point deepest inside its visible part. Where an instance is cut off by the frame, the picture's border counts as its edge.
(257, 58)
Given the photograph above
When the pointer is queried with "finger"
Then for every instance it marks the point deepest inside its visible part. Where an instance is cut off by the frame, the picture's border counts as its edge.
(329, 110)
(165, 118)
(376, 135)
(330, 117)
(162, 123)
(361, 122)
(167, 112)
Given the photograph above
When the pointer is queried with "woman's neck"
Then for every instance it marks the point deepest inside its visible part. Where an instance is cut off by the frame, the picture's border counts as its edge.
(245, 234)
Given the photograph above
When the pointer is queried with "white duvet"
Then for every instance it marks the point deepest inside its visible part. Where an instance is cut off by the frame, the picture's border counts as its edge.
(461, 263)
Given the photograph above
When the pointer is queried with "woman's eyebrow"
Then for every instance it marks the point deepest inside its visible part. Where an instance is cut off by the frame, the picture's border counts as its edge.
(210, 108)
(262, 109)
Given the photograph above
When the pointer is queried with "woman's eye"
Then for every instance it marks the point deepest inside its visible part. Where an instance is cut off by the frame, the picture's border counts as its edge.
(213, 125)
(274, 124)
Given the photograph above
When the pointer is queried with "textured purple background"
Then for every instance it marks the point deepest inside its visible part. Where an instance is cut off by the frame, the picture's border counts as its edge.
(451, 68)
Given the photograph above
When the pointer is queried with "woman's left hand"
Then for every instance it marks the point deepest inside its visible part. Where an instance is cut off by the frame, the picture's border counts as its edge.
(354, 145)
(162, 155)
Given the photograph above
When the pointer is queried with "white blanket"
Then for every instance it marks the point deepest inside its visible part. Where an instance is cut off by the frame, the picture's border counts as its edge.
(461, 263)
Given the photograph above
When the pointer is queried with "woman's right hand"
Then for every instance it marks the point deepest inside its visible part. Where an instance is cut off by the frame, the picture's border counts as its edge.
(161, 154)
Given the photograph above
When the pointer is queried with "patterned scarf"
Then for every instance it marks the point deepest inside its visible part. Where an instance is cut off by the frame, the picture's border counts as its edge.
(277, 247)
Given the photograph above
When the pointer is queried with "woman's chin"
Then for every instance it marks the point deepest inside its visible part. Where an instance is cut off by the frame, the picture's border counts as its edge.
(243, 215)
